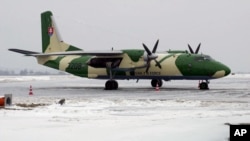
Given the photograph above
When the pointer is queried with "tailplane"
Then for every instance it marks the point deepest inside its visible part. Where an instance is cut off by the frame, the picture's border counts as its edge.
(51, 40)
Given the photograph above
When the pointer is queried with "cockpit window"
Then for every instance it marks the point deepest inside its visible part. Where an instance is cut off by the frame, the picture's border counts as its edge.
(203, 58)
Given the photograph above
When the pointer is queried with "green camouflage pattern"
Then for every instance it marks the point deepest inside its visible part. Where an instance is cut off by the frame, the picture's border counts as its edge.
(124, 64)
(52, 43)
(175, 64)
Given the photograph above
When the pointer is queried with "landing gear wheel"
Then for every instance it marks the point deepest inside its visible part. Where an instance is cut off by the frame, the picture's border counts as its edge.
(203, 86)
(154, 82)
(111, 85)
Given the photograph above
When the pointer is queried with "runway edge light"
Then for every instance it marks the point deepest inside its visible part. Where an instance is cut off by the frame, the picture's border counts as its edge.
(157, 88)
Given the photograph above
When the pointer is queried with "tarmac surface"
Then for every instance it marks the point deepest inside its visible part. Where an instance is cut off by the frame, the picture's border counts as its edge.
(136, 111)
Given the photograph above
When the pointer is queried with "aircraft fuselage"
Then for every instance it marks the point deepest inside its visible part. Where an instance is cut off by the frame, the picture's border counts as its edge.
(131, 65)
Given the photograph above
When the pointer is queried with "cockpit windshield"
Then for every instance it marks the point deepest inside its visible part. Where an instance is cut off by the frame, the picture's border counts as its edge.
(203, 58)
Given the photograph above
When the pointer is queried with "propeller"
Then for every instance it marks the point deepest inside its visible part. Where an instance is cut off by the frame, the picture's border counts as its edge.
(196, 51)
(152, 55)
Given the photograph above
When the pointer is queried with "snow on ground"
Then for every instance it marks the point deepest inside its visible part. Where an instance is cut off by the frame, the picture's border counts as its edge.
(179, 111)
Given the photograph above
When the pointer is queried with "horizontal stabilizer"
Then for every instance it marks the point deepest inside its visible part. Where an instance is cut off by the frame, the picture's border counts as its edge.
(25, 52)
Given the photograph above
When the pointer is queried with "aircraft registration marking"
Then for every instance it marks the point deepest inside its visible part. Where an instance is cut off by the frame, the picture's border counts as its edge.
(75, 66)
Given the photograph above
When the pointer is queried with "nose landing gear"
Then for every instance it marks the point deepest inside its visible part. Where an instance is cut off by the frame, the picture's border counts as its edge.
(203, 85)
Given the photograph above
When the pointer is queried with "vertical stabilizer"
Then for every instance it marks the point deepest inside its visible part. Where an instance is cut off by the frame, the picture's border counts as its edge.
(51, 40)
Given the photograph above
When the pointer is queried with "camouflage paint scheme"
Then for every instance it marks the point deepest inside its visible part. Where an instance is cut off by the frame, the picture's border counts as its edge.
(175, 65)
(132, 62)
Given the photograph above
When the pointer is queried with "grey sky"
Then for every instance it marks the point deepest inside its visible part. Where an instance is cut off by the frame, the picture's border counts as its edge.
(222, 26)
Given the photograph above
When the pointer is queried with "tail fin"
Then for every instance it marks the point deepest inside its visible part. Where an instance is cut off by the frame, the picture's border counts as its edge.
(51, 41)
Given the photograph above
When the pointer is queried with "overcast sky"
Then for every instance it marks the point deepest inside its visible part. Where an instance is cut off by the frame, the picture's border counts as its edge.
(222, 26)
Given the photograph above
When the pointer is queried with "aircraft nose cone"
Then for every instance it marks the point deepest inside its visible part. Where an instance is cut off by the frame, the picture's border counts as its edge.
(227, 70)
(221, 70)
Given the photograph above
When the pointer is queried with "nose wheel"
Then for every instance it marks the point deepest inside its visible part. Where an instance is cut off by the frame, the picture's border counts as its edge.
(111, 85)
(204, 85)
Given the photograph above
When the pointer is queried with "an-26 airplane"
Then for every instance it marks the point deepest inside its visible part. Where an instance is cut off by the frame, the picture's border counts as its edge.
(124, 64)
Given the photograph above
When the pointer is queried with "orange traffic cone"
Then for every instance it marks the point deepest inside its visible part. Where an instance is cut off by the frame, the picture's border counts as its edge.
(157, 87)
(31, 92)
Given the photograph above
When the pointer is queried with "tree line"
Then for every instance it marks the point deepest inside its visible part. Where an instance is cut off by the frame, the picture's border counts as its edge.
(28, 72)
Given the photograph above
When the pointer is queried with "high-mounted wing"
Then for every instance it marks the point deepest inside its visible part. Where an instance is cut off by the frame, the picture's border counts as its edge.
(95, 53)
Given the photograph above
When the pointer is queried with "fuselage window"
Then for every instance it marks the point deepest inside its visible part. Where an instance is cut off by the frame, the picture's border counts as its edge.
(203, 58)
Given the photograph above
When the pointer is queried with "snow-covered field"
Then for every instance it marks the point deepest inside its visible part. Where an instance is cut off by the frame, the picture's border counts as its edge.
(179, 111)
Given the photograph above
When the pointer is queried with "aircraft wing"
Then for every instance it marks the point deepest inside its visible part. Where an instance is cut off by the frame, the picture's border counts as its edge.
(95, 53)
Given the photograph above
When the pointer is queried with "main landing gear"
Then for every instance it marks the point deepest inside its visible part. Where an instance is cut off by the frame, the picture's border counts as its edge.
(154, 82)
(111, 85)
(204, 85)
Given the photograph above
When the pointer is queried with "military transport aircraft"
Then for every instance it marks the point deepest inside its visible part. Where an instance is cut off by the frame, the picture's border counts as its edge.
(124, 64)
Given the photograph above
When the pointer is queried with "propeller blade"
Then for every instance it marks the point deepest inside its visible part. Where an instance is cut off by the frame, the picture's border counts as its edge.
(190, 49)
(147, 50)
(197, 49)
(155, 47)
(151, 55)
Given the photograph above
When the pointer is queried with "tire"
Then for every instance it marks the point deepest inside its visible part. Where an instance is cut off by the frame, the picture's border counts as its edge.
(154, 82)
(111, 85)
(203, 86)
